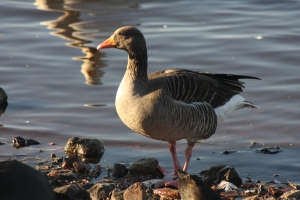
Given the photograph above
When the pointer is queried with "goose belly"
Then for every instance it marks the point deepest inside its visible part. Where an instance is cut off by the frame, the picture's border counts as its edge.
(166, 121)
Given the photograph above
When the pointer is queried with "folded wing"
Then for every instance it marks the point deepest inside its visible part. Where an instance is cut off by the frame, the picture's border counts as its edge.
(189, 86)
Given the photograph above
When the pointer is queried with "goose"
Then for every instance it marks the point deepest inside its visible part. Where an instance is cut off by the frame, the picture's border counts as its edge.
(193, 187)
(172, 104)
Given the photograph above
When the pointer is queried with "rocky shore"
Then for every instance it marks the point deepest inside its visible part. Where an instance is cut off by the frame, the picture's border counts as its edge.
(76, 176)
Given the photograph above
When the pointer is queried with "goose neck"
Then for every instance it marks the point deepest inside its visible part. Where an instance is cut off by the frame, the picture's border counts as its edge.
(137, 66)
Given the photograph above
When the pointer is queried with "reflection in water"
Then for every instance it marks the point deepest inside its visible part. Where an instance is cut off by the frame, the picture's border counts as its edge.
(90, 68)
(62, 26)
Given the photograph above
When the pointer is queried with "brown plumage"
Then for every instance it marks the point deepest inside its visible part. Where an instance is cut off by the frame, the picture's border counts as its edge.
(192, 187)
(172, 104)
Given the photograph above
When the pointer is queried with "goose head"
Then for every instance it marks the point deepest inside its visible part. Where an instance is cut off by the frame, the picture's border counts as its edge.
(126, 38)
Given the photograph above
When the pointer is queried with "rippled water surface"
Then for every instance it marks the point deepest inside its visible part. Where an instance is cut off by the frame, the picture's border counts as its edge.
(60, 86)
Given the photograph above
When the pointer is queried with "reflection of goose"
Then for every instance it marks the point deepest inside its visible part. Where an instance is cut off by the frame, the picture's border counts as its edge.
(65, 30)
(90, 68)
(172, 104)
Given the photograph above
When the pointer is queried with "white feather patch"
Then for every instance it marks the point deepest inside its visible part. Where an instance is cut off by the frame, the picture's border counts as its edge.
(235, 103)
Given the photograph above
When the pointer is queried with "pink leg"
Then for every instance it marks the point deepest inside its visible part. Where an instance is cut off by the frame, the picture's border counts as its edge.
(188, 155)
(172, 147)
(172, 183)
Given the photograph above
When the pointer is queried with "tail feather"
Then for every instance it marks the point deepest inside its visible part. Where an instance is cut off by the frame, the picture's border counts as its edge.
(250, 105)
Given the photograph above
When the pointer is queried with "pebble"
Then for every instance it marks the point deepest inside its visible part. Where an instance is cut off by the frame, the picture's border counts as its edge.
(135, 192)
(101, 190)
(119, 170)
(145, 166)
(84, 147)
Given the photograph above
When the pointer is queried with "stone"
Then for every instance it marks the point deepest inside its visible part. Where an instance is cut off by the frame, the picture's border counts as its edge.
(19, 181)
(84, 147)
(72, 190)
(119, 170)
(269, 150)
(81, 168)
(192, 187)
(19, 142)
(95, 172)
(135, 192)
(3, 101)
(68, 162)
(145, 166)
(117, 194)
(222, 172)
(101, 190)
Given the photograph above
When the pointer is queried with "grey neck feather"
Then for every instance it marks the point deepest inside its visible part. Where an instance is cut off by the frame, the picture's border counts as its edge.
(138, 64)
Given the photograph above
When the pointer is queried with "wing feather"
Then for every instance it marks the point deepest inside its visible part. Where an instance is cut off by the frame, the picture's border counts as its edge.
(189, 86)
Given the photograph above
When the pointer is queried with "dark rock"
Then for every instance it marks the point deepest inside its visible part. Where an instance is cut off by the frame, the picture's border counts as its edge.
(57, 161)
(19, 142)
(86, 148)
(95, 172)
(3, 95)
(81, 168)
(87, 186)
(59, 196)
(68, 162)
(101, 190)
(19, 181)
(222, 172)
(119, 170)
(58, 183)
(3, 107)
(192, 187)
(72, 191)
(123, 185)
(3, 101)
(233, 177)
(270, 150)
(31, 142)
(228, 152)
(67, 177)
(136, 191)
(145, 166)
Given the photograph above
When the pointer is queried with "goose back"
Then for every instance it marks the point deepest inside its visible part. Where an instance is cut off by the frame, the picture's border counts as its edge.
(190, 86)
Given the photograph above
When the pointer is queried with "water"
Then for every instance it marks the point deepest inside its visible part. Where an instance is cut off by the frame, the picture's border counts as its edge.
(60, 86)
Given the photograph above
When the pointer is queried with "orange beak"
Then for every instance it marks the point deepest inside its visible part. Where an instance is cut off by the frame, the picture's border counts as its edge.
(109, 43)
